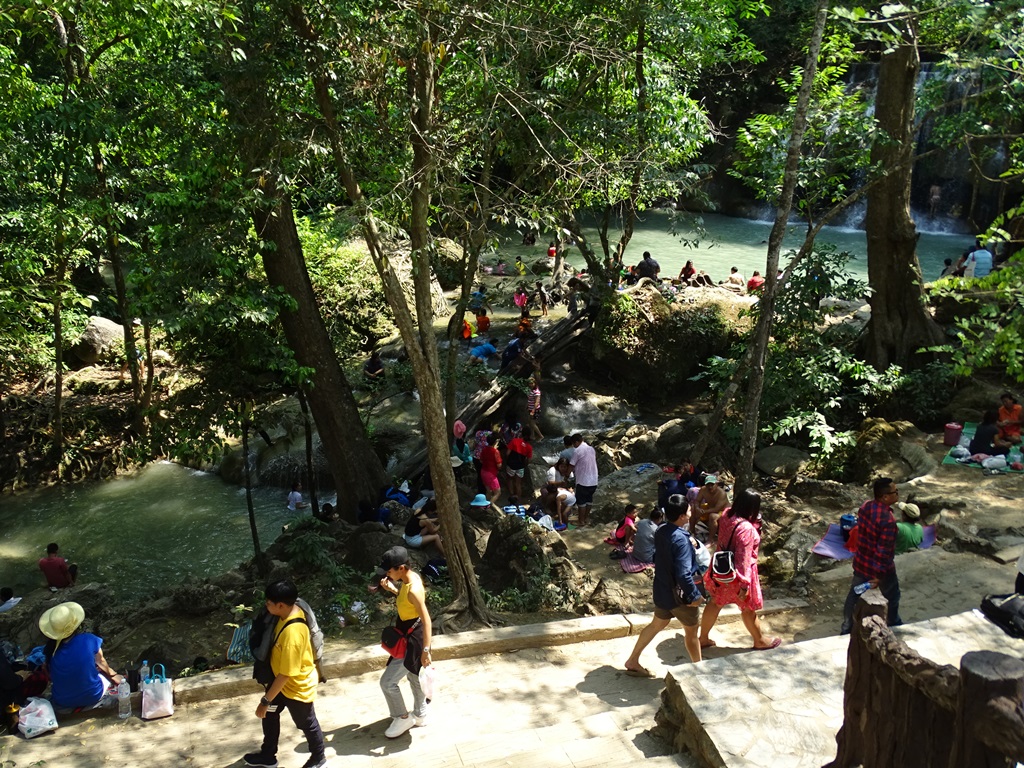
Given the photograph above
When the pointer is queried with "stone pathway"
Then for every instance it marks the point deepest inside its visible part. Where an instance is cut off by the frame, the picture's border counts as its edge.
(784, 707)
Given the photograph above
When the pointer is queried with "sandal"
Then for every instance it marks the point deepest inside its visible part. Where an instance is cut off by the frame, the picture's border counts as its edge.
(775, 643)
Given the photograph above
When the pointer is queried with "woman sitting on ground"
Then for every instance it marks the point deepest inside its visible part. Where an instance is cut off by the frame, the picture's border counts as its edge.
(986, 438)
(739, 532)
(79, 674)
(687, 273)
(1009, 419)
(626, 529)
(422, 528)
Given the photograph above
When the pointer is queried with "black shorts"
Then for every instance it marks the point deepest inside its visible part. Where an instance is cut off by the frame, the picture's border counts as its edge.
(585, 495)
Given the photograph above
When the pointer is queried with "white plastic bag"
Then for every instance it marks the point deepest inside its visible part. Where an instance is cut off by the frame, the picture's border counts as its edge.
(994, 462)
(157, 695)
(36, 718)
(428, 681)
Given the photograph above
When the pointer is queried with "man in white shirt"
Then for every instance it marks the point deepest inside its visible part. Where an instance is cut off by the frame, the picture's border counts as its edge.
(584, 466)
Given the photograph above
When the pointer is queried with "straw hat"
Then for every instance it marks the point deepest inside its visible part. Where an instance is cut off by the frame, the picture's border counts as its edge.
(61, 621)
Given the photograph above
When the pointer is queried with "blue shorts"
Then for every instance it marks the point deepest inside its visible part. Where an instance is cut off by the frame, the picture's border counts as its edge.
(585, 495)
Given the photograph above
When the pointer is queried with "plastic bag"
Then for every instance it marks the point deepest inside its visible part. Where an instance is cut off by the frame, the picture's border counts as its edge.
(157, 695)
(960, 452)
(994, 462)
(428, 681)
(36, 718)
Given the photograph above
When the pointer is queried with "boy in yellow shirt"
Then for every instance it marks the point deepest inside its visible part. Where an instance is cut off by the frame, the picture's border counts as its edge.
(294, 687)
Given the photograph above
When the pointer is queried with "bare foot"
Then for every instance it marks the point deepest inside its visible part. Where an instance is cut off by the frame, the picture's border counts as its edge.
(639, 671)
(707, 643)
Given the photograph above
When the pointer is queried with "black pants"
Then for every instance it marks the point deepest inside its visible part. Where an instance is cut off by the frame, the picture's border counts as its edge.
(1019, 586)
(304, 717)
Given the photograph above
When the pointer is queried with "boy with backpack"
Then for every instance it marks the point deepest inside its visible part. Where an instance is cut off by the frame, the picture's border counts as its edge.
(293, 666)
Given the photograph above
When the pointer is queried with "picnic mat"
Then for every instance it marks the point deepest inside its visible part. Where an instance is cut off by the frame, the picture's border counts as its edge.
(832, 544)
(969, 429)
(631, 565)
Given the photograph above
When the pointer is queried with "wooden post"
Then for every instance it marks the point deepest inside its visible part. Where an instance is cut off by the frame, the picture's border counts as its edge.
(851, 739)
(986, 676)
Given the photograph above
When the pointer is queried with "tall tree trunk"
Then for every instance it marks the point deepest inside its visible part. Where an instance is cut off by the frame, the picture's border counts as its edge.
(468, 604)
(899, 324)
(247, 465)
(766, 304)
(471, 258)
(58, 367)
(307, 429)
(357, 471)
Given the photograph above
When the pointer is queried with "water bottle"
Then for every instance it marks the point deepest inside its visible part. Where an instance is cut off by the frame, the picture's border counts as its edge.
(143, 672)
(124, 699)
(860, 589)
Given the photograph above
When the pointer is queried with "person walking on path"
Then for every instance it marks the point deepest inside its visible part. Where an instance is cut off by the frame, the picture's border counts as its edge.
(675, 591)
(533, 410)
(739, 532)
(874, 561)
(295, 681)
(413, 624)
(584, 467)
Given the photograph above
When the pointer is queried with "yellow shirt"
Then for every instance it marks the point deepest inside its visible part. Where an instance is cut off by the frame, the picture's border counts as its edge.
(292, 655)
(406, 610)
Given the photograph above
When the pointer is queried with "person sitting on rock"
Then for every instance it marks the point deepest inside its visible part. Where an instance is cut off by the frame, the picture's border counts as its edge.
(909, 532)
(986, 438)
(711, 501)
(625, 532)
(702, 279)
(687, 273)
(643, 541)
(735, 282)
(423, 529)
(59, 574)
(1009, 422)
(373, 370)
(79, 673)
(755, 282)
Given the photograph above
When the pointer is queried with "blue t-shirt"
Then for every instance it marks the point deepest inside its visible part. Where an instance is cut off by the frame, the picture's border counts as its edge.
(982, 259)
(674, 565)
(76, 681)
(483, 351)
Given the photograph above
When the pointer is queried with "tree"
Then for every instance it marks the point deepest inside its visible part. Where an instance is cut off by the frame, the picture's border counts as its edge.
(900, 325)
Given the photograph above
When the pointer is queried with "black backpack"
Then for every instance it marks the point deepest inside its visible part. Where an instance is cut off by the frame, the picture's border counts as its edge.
(1006, 611)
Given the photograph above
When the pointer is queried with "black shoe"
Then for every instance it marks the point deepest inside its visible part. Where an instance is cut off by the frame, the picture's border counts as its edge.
(316, 762)
(259, 760)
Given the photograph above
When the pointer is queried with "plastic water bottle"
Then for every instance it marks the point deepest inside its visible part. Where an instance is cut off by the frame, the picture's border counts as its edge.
(860, 589)
(124, 699)
(143, 672)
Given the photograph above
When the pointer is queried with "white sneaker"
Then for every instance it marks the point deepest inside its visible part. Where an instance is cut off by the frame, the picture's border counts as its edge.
(399, 726)
(419, 722)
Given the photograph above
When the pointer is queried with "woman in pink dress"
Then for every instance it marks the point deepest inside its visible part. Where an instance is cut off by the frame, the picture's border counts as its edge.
(739, 532)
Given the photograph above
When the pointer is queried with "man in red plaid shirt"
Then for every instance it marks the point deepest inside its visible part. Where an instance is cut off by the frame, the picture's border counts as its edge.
(874, 560)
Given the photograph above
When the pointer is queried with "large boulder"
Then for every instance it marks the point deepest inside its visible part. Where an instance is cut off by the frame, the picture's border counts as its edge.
(781, 460)
(102, 339)
(971, 401)
(636, 484)
(887, 449)
(609, 597)
(676, 438)
(590, 413)
(514, 556)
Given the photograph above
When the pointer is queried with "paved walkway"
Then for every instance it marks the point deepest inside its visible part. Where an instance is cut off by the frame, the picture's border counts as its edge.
(783, 708)
(568, 706)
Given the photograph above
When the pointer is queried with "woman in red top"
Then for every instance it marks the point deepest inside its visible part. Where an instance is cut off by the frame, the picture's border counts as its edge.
(490, 463)
(738, 532)
(686, 273)
(1009, 419)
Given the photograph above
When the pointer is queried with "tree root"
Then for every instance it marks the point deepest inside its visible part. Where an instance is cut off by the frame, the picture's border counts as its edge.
(460, 616)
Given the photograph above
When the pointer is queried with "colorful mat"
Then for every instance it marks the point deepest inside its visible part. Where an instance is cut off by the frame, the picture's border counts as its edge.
(631, 565)
(969, 429)
(832, 544)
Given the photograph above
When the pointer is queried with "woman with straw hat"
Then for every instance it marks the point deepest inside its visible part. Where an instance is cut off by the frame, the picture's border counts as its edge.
(80, 675)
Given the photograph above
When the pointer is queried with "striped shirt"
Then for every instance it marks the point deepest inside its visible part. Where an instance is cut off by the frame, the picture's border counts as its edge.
(533, 401)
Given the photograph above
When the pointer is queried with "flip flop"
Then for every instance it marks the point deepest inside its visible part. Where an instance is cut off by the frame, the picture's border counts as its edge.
(708, 644)
(773, 644)
(644, 673)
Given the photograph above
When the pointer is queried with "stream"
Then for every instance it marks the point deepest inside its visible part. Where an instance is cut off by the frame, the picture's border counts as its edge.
(139, 533)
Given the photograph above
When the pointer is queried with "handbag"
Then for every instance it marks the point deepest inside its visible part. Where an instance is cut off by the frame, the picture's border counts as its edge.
(395, 641)
(157, 694)
(36, 718)
(723, 563)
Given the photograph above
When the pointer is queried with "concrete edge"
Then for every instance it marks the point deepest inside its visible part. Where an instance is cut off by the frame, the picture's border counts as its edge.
(237, 681)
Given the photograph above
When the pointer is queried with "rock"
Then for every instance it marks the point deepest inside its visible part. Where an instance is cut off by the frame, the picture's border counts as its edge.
(200, 599)
(971, 402)
(825, 492)
(542, 266)
(564, 571)
(610, 598)
(369, 543)
(233, 579)
(622, 487)
(676, 438)
(881, 452)
(781, 460)
(514, 557)
(399, 514)
(642, 449)
(447, 263)
(592, 413)
(100, 340)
